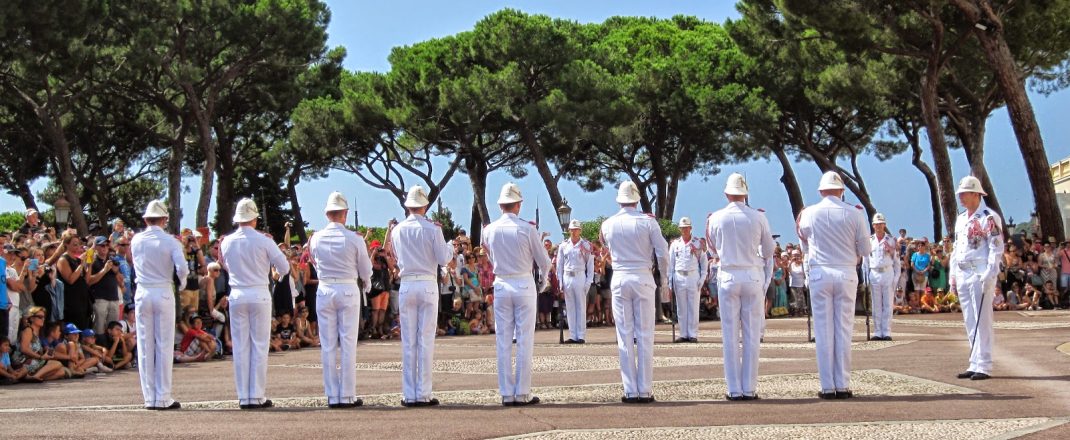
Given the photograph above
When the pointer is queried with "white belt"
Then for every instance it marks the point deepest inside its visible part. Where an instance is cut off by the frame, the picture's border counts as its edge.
(971, 264)
(338, 280)
(156, 285)
(638, 270)
(880, 269)
(740, 267)
(571, 273)
(514, 276)
(410, 278)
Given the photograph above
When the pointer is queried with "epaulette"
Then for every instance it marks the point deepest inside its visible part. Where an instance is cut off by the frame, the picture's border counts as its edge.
(649, 215)
(858, 206)
(762, 210)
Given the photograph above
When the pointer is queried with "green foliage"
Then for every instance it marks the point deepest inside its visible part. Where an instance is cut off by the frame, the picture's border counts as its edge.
(444, 217)
(11, 221)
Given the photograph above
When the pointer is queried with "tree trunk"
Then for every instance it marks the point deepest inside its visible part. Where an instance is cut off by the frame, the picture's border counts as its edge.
(66, 170)
(930, 179)
(1026, 130)
(224, 201)
(791, 184)
(477, 175)
(671, 192)
(174, 179)
(938, 144)
(295, 206)
(538, 158)
(207, 144)
(24, 193)
(1019, 109)
(975, 156)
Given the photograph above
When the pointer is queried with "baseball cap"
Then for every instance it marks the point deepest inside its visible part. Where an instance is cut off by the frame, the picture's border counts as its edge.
(71, 329)
(100, 240)
(87, 333)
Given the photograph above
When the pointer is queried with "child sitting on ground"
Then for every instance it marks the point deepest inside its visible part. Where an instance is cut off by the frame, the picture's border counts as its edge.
(9, 374)
(304, 330)
(119, 354)
(928, 302)
(476, 325)
(91, 349)
(197, 345)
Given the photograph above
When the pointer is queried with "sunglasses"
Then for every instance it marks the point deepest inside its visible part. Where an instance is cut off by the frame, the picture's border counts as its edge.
(38, 317)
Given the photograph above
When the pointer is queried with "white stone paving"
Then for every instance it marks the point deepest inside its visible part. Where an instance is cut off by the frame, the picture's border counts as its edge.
(542, 364)
(915, 430)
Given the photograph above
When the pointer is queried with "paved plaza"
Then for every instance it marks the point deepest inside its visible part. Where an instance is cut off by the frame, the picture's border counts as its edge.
(905, 388)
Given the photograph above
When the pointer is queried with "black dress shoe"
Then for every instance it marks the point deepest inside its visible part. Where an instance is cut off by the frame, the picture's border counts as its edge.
(979, 376)
(432, 402)
(570, 341)
(533, 401)
(246, 406)
(966, 375)
(887, 338)
(626, 399)
(408, 404)
(692, 340)
(646, 400)
(844, 394)
(504, 403)
(751, 397)
(581, 341)
(679, 340)
(173, 405)
(732, 398)
(267, 404)
(826, 396)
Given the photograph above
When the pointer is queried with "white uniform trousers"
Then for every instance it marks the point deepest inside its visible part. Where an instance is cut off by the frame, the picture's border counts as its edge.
(882, 301)
(514, 316)
(250, 332)
(742, 307)
(633, 311)
(975, 297)
(419, 313)
(154, 316)
(833, 290)
(686, 289)
(338, 311)
(575, 289)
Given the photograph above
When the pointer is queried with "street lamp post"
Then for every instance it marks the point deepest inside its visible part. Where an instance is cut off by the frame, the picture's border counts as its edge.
(62, 209)
(564, 215)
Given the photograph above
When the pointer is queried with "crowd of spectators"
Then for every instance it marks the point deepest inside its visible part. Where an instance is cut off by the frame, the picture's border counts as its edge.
(70, 312)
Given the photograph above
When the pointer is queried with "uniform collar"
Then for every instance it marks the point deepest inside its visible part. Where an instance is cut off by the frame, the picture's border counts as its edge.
(334, 225)
(509, 215)
(740, 204)
(980, 209)
(152, 228)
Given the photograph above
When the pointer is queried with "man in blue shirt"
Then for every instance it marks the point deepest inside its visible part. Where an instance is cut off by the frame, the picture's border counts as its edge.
(4, 303)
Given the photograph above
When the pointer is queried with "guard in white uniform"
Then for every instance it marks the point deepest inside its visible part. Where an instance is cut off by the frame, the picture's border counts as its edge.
(739, 235)
(974, 266)
(834, 236)
(881, 269)
(687, 263)
(514, 246)
(157, 257)
(341, 258)
(575, 270)
(635, 242)
(420, 249)
(248, 256)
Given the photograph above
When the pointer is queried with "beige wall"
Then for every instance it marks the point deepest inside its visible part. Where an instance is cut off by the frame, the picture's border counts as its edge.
(1060, 173)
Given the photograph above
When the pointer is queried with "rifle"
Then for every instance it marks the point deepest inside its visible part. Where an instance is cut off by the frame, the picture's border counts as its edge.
(676, 312)
(809, 327)
(867, 290)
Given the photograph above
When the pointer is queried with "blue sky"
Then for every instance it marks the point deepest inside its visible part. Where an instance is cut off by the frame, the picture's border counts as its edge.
(370, 29)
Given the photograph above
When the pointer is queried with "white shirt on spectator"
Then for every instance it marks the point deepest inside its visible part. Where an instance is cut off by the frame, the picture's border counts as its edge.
(341, 254)
(248, 257)
(419, 246)
(149, 248)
